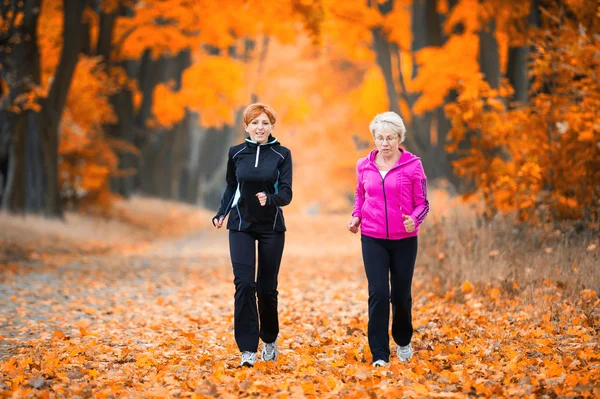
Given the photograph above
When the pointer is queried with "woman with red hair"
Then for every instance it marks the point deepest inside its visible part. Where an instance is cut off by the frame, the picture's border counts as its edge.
(259, 183)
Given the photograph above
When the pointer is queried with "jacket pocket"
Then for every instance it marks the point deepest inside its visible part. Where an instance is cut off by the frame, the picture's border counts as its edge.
(403, 192)
(366, 221)
(403, 204)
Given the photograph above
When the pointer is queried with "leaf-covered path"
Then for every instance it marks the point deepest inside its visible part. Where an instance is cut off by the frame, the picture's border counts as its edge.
(156, 321)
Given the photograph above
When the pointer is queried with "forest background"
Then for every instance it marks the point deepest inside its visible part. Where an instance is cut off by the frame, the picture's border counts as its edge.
(101, 100)
(104, 99)
(119, 112)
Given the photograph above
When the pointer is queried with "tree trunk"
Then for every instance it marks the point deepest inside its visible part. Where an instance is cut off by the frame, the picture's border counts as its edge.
(489, 57)
(148, 78)
(73, 41)
(105, 36)
(5, 148)
(14, 196)
(34, 174)
(517, 71)
(384, 60)
(167, 146)
(123, 130)
(34, 160)
(431, 128)
(190, 178)
(180, 146)
(213, 165)
(122, 103)
(24, 186)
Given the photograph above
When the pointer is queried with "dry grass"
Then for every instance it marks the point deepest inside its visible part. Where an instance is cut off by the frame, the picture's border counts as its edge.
(455, 244)
(459, 246)
(136, 221)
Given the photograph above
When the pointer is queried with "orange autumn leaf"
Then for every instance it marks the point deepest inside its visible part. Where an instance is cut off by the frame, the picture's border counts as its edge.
(467, 287)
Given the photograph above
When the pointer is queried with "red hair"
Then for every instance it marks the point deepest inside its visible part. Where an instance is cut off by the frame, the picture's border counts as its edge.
(254, 110)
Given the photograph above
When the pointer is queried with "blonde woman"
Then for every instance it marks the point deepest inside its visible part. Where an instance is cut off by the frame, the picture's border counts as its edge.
(390, 205)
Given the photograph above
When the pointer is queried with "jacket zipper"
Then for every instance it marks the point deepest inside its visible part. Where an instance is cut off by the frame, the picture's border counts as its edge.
(257, 154)
(387, 230)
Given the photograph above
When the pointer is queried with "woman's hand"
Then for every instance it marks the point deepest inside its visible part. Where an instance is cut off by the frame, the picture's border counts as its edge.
(218, 223)
(409, 223)
(353, 224)
(262, 198)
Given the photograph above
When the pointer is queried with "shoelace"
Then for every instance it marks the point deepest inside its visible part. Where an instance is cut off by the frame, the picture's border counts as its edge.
(406, 351)
(270, 349)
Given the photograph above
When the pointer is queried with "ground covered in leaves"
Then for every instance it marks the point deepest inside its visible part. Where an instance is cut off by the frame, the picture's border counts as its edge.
(155, 320)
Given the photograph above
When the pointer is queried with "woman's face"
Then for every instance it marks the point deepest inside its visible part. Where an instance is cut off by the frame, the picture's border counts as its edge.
(259, 128)
(386, 141)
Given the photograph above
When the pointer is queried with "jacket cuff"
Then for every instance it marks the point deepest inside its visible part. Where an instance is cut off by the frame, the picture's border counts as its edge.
(357, 214)
(414, 218)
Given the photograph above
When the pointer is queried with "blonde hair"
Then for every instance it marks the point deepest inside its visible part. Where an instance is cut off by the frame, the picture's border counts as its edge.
(389, 121)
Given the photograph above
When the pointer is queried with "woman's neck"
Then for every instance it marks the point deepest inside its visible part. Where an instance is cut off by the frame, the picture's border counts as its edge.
(393, 157)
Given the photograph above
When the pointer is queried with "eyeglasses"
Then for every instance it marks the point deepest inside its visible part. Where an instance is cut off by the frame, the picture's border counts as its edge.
(389, 139)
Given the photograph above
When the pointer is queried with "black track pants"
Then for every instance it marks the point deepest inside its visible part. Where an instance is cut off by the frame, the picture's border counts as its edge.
(389, 261)
(242, 246)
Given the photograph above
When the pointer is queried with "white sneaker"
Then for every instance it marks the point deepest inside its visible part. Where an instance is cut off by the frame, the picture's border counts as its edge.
(404, 352)
(270, 351)
(248, 359)
(380, 363)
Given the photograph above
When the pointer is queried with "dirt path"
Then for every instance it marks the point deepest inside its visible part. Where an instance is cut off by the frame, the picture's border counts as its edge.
(157, 322)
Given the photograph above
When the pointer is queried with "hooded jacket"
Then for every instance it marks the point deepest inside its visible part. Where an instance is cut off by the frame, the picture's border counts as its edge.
(380, 202)
(251, 169)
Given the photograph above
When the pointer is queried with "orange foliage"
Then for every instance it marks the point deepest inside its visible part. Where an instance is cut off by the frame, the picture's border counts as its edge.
(444, 68)
(87, 160)
(337, 86)
(50, 26)
(212, 87)
(455, 64)
(348, 24)
(168, 109)
(542, 160)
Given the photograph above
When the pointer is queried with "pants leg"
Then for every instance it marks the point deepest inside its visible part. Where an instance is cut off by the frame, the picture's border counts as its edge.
(377, 267)
(245, 320)
(404, 256)
(270, 252)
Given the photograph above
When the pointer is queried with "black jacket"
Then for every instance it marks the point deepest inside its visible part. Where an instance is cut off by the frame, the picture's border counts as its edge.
(251, 169)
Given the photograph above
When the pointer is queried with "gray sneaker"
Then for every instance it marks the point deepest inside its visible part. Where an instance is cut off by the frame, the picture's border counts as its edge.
(270, 351)
(404, 352)
(248, 359)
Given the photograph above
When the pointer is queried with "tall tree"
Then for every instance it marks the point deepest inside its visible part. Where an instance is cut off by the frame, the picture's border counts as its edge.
(23, 183)
(73, 43)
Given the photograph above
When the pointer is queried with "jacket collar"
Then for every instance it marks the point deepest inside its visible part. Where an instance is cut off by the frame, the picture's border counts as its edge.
(405, 158)
(270, 141)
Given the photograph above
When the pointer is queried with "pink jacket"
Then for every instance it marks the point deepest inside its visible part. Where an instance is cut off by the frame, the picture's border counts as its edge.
(381, 202)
